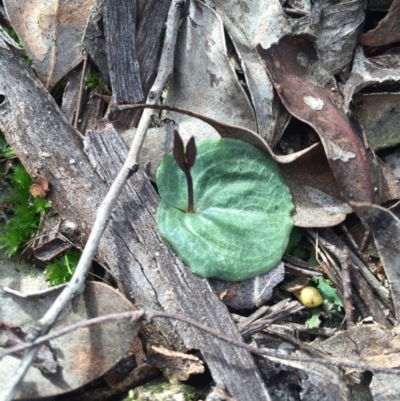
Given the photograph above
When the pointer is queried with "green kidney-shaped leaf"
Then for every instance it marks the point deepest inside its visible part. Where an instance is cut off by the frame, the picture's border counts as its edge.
(242, 218)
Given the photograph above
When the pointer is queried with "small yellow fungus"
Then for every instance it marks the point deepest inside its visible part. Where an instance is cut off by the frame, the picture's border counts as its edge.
(309, 296)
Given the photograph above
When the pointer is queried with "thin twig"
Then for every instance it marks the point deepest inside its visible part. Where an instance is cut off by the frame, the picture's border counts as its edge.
(347, 293)
(78, 106)
(77, 283)
(358, 280)
(367, 274)
(148, 315)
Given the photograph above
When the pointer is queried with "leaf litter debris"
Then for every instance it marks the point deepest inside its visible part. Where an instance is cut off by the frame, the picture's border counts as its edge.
(245, 70)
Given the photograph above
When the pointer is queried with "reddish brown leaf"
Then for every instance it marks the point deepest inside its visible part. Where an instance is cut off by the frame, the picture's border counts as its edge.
(179, 154)
(191, 152)
(310, 94)
(316, 195)
(388, 30)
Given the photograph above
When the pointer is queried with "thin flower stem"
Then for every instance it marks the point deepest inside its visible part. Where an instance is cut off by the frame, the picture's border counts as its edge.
(190, 192)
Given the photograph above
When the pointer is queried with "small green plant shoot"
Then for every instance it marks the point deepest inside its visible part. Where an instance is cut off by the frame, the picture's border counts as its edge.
(92, 81)
(236, 224)
(61, 269)
(27, 211)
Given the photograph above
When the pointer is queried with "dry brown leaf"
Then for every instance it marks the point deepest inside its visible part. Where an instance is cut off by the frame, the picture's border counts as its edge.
(310, 94)
(371, 71)
(336, 35)
(250, 293)
(316, 195)
(379, 114)
(52, 34)
(83, 355)
(388, 30)
(11, 335)
(373, 345)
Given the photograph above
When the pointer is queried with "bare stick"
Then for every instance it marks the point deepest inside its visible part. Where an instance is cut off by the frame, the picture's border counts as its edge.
(78, 106)
(77, 283)
(347, 295)
(142, 314)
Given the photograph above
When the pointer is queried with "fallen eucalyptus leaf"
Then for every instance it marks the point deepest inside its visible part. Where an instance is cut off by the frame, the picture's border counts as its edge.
(52, 34)
(380, 117)
(316, 195)
(371, 71)
(336, 35)
(310, 94)
(248, 23)
(242, 221)
(373, 345)
(203, 79)
(388, 30)
(250, 293)
(83, 355)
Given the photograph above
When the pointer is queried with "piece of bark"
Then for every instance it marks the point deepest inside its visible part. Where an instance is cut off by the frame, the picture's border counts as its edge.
(94, 41)
(71, 93)
(148, 41)
(120, 28)
(144, 267)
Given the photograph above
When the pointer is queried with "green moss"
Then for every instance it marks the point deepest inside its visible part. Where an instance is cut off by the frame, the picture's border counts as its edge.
(6, 151)
(92, 81)
(27, 211)
(61, 269)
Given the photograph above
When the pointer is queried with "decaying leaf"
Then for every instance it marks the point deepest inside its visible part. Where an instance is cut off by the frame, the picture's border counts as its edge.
(84, 354)
(11, 335)
(371, 71)
(388, 30)
(316, 195)
(248, 23)
(385, 228)
(250, 293)
(203, 79)
(372, 345)
(310, 94)
(379, 114)
(336, 35)
(52, 34)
